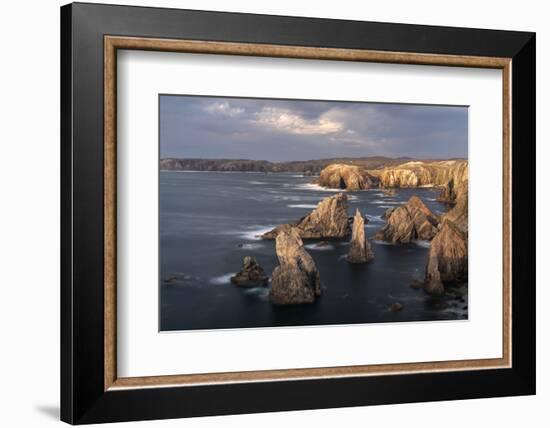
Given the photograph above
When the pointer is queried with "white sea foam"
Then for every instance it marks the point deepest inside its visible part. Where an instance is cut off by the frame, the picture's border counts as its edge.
(250, 246)
(302, 206)
(254, 233)
(380, 201)
(261, 293)
(257, 182)
(376, 241)
(222, 279)
(423, 244)
(316, 187)
(374, 218)
(317, 247)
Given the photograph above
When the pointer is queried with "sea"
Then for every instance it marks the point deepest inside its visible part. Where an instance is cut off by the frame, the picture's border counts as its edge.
(209, 221)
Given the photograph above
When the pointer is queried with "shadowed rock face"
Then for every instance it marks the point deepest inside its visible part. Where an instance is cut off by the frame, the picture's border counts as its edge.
(350, 177)
(409, 222)
(250, 275)
(296, 279)
(459, 213)
(447, 260)
(328, 220)
(360, 250)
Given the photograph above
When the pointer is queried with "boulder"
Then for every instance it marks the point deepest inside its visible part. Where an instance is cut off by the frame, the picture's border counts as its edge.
(447, 260)
(360, 250)
(250, 275)
(409, 222)
(348, 177)
(328, 221)
(296, 279)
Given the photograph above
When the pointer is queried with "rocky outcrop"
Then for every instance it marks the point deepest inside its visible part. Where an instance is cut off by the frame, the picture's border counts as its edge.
(421, 173)
(458, 214)
(250, 275)
(447, 260)
(328, 221)
(409, 222)
(348, 177)
(296, 279)
(360, 250)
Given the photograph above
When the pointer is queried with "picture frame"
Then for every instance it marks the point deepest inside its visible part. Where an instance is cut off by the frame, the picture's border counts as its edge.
(91, 35)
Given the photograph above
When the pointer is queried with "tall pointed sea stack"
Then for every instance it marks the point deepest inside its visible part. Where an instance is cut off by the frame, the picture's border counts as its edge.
(296, 279)
(360, 250)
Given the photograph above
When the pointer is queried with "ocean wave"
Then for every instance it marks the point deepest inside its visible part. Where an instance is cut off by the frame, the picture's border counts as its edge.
(261, 293)
(316, 187)
(254, 233)
(250, 246)
(423, 244)
(302, 206)
(257, 182)
(376, 241)
(381, 202)
(374, 218)
(317, 247)
(222, 279)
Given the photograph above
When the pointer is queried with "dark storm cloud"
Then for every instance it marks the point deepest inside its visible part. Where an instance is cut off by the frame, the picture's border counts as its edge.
(281, 130)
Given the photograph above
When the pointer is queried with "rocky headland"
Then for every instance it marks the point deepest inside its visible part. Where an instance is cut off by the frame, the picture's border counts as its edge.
(346, 177)
(422, 173)
(296, 279)
(402, 175)
(360, 250)
(411, 221)
(328, 221)
(251, 274)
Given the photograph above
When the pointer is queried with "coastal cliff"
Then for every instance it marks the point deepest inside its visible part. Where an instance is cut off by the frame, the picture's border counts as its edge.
(348, 177)
(420, 173)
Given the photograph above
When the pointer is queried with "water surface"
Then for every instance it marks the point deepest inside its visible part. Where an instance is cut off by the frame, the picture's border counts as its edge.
(210, 220)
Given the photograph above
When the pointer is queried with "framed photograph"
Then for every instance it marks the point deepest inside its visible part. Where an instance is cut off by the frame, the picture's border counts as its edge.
(266, 213)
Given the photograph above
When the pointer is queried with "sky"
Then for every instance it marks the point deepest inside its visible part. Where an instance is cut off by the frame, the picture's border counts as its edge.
(284, 130)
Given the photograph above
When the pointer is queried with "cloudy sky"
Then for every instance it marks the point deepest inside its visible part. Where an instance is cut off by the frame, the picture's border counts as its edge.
(283, 130)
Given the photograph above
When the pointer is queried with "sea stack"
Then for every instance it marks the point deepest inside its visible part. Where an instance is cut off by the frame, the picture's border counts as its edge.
(409, 222)
(447, 260)
(360, 250)
(250, 275)
(296, 279)
(328, 221)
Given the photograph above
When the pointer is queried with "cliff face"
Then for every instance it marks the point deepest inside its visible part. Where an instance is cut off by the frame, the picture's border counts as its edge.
(349, 177)
(296, 279)
(409, 222)
(419, 173)
(459, 213)
(448, 258)
(360, 250)
(328, 220)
